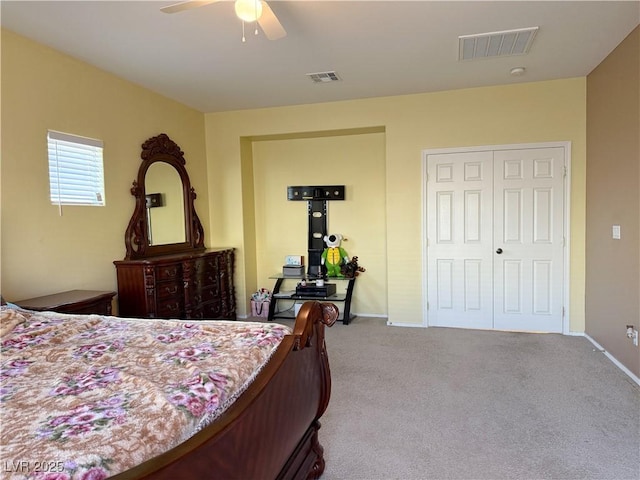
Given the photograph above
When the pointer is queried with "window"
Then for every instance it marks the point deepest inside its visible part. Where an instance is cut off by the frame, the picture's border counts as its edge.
(76, 175)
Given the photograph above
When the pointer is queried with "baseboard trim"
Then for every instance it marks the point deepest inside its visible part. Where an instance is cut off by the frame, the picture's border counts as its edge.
(402, 324)
(574, 334)
(368, 315)
(615, 361)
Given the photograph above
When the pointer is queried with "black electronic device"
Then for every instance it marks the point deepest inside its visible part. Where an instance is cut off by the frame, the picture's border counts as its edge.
(293, 270)
(322, 192)
(313, 290)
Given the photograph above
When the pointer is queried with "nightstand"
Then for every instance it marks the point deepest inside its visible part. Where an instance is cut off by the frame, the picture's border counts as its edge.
(73, 301)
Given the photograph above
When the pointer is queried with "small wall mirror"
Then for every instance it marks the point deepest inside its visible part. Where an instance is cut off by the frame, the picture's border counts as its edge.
(164, 220)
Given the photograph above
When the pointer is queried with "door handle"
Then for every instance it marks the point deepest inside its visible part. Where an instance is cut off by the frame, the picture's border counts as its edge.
(499, 251)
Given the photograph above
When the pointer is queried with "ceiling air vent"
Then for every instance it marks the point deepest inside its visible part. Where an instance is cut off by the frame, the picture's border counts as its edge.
(496, 44)
(323, 77)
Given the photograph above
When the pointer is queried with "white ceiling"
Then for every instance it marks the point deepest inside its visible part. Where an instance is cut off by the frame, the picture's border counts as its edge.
(378, 48)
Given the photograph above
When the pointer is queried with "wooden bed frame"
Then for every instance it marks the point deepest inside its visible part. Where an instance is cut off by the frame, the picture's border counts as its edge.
(271, 430)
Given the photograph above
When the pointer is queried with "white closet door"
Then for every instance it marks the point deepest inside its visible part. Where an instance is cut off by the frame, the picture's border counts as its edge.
(460, 272)
(528, 222)
(495, 227)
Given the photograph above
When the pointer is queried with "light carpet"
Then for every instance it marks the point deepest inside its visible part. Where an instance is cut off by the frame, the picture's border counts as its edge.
(439, 403)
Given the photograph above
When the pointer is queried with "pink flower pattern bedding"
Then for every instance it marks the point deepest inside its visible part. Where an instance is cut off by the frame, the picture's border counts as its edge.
(89, 396)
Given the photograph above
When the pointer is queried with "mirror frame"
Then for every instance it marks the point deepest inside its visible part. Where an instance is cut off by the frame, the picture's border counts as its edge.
(162, 149)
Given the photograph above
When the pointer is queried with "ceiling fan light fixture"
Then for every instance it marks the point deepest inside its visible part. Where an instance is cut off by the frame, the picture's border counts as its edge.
(248, 10)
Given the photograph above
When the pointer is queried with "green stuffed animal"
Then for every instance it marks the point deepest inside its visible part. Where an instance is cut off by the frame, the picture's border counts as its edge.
(334, 256)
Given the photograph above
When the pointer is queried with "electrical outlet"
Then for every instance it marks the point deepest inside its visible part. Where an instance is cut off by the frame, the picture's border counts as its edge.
(632, 334)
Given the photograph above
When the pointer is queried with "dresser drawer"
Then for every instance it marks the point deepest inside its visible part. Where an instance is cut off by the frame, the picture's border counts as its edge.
(210, 293)
(170, 308)
(198, 297)
(210, 283)
(206, 270)
(168, 290)
(204, 286)
(211, 310)
(209, 264)
(168, 272)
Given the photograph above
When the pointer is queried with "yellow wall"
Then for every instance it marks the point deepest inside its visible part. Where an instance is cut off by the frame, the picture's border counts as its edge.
(356, 161)
(376, 142)
(42, 89)
(524, 113)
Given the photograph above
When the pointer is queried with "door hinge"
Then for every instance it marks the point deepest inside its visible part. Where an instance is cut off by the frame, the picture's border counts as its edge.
(562, 312)
(564, 171)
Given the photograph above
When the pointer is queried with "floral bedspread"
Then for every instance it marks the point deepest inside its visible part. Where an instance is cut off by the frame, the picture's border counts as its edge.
(89, 396)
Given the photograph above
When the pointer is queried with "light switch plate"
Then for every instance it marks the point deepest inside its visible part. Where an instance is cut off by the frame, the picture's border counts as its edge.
(615, 232)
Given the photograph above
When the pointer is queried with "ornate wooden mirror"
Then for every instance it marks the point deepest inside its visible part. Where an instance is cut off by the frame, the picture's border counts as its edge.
(164, 220)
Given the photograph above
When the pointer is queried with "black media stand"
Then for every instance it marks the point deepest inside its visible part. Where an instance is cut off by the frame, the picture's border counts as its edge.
(337, 297)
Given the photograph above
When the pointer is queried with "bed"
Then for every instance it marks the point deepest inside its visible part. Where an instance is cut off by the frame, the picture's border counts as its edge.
(91, 397)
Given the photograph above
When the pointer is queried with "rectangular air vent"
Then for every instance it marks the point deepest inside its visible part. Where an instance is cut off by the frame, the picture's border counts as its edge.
(496, 44)
(323, 77)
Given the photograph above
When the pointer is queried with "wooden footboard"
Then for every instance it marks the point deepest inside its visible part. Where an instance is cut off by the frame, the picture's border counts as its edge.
(271, 431)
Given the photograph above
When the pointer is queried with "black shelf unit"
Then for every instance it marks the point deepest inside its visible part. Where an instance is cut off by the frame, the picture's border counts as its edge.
(337, 297)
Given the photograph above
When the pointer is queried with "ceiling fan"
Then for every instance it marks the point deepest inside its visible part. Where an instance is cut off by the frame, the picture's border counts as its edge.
(246, 10)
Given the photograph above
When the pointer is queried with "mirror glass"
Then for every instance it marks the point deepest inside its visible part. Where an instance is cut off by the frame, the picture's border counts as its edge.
(165, 204)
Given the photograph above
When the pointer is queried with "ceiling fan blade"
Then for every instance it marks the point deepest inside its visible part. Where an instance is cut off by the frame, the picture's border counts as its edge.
(179, 7)
(270, 24)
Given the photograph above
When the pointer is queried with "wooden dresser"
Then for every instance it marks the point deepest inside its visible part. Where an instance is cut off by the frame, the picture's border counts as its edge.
(193, 285)
(167, 271)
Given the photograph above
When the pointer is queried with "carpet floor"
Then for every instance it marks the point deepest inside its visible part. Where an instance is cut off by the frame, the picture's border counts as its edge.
(439, 403)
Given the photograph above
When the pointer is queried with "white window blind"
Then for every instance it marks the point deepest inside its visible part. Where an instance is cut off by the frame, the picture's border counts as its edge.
(76, 175)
